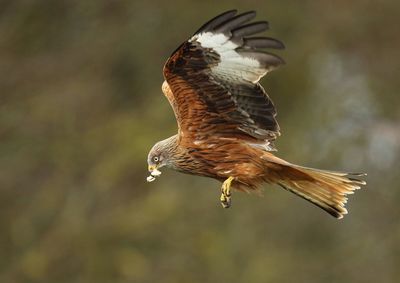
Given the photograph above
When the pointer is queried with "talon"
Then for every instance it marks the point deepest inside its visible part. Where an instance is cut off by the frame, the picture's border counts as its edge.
(226, 193)
(225, 201)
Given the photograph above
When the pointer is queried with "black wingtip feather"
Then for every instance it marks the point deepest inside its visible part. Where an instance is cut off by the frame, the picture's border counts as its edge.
(265, 58)
(214, 22)
(263, 42)
(235, 22)
(236, 28)
(250, 29)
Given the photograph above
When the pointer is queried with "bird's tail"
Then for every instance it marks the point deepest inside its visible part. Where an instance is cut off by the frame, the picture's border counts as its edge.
(326, 189)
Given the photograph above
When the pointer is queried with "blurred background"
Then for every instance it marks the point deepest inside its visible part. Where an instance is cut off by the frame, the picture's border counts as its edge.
(81, 105)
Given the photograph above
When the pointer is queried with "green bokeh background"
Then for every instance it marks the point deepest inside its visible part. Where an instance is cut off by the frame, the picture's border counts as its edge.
(81, 105)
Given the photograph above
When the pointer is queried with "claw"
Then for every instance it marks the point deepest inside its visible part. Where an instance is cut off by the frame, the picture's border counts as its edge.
(225, 201)
(226, 193)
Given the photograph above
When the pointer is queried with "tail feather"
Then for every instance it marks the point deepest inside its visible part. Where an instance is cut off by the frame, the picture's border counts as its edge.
(326, 189)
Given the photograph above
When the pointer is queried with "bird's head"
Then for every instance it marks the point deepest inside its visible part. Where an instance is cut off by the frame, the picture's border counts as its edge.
(159, 156)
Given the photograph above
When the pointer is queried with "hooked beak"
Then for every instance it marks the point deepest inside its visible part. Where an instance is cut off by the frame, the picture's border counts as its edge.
(152, 168)
(154, 172)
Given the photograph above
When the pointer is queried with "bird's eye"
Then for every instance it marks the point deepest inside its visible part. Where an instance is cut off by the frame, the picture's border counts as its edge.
(155, 159)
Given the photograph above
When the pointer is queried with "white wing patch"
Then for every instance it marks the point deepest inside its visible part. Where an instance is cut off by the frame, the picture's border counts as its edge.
(233, 64)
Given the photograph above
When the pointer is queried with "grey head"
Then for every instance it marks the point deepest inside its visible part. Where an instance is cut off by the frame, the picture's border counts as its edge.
(161, 154)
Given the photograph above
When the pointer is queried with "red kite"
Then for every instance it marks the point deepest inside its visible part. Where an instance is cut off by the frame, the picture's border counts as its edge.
(226, 121)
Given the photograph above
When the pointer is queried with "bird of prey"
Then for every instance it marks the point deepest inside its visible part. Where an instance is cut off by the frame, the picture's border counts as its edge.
(227, 122)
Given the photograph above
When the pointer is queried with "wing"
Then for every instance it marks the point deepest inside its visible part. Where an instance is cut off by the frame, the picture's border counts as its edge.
(212, 81)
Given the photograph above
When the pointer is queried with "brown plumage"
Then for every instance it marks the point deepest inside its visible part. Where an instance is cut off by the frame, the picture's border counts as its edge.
(226, 120)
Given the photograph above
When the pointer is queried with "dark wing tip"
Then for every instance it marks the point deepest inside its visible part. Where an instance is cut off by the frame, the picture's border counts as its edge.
(263, 42)
(235, 22)
(267, 59)
(214, 22)
(232, 24)
(250, 29)
(239, 31)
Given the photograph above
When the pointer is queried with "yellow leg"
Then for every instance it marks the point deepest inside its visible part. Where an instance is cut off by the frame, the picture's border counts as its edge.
(226, 192)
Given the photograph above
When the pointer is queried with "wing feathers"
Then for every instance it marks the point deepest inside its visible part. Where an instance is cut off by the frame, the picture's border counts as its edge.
(234, 22)
(237, 52)
(222, 64)
(266, 60)
(262, 42)
(249, 29)
(211, 24)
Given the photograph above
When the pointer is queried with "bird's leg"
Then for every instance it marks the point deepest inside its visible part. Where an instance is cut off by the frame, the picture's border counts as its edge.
(226, 192)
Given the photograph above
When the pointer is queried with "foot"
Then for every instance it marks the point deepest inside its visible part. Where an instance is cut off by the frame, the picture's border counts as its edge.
(226, 192)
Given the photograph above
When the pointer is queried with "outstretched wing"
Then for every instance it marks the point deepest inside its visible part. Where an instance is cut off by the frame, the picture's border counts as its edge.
(212, 81)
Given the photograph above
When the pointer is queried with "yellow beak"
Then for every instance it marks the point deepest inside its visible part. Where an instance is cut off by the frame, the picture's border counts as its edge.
(152, 168)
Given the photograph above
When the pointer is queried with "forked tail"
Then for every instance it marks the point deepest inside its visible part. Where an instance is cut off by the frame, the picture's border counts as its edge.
(326, 189)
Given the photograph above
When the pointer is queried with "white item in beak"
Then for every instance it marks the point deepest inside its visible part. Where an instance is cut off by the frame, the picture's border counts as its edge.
(150, 179)
(155, 173)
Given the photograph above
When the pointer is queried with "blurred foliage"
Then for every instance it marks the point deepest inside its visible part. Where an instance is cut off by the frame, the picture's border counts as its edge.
(81, 105)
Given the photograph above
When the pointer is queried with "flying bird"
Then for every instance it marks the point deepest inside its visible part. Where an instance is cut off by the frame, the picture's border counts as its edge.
(226, 121)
